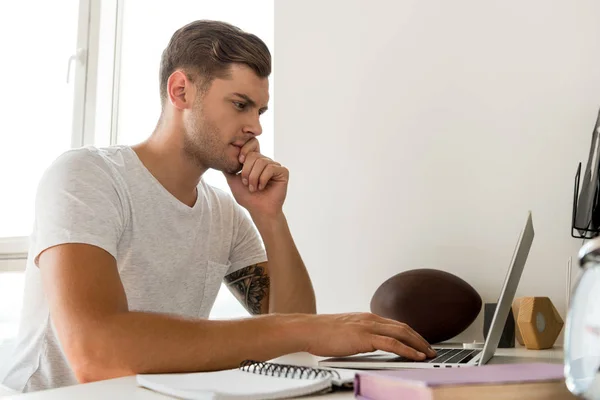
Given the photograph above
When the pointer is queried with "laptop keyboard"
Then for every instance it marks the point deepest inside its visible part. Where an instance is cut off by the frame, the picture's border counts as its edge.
(444, 356)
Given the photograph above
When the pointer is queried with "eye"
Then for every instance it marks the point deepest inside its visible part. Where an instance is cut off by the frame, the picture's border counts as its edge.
(239, 105)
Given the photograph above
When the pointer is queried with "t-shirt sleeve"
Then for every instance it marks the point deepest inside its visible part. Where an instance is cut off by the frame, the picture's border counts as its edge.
(247, 248)
(78, 201)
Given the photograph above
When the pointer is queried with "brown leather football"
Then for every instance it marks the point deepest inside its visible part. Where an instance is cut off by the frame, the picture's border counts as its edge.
(434, 303)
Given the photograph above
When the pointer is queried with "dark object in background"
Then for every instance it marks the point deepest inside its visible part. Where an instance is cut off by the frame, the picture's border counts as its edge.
(585, 222)
(436, 304)
(507, 340)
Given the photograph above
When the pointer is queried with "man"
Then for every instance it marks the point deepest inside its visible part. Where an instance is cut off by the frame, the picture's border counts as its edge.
(130, 245)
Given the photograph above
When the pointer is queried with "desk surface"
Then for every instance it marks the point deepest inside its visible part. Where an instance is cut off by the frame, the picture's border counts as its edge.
(126, 388)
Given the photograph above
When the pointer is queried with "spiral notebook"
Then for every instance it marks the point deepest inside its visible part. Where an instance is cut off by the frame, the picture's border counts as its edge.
(252, 380)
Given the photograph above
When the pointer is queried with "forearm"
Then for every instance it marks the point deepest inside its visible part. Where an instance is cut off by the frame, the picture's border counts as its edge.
(134, 342)
(291, 289)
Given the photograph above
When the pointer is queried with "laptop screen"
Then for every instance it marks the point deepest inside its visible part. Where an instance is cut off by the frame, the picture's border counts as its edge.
(507, 294)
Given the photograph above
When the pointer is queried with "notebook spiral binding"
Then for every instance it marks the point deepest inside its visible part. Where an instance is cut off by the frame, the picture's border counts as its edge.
(286, 370)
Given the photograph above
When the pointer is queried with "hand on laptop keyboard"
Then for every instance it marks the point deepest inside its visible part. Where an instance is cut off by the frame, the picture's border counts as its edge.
(339, 335)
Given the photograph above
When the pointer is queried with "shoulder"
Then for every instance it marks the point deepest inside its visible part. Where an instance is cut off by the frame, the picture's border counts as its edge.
(89, 157)
(84, 170)
(85, 163)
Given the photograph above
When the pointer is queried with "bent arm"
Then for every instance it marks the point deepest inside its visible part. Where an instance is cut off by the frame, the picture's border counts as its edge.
(291, 289)
(102, 339)
(281, 285)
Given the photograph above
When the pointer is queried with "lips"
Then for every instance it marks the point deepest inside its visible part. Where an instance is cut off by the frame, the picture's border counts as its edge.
(237, 151)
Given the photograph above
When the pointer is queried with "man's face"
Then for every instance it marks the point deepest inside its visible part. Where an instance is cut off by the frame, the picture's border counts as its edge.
(224, 118)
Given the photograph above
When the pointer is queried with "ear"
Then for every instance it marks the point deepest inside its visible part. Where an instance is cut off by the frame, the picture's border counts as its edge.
(179, 90)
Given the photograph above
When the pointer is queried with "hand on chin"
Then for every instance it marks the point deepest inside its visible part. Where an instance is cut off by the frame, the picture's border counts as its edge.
(261, 186)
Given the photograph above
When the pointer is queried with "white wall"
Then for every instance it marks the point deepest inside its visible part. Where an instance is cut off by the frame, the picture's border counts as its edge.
(419, 133)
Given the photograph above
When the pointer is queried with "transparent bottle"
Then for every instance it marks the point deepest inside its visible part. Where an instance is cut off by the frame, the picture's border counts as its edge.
(582, 334)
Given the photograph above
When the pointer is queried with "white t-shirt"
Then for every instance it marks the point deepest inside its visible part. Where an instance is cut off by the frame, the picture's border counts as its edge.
(171, 258)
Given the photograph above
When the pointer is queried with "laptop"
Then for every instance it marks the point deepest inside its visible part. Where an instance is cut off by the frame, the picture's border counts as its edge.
(448, 357)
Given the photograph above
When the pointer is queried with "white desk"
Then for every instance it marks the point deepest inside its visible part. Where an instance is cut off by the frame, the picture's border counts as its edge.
(126, 388)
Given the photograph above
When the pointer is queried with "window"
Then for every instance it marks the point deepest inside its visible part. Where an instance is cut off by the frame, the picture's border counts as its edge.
(43, 118)
(39, 101)
(110, 96)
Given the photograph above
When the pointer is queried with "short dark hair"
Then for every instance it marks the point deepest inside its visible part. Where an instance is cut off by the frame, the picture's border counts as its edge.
(208, 48)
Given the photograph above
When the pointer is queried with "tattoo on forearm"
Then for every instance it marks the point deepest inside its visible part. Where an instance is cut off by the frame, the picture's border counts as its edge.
(251, 286)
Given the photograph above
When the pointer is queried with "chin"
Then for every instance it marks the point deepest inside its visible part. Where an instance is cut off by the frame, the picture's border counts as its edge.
(229, 168)
(234, 170)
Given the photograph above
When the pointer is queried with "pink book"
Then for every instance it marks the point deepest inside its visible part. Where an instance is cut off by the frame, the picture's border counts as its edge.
(504, 381)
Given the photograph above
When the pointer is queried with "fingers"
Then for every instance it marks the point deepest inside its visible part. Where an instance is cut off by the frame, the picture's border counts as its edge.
(251, 158)
(258, 170)
(391, 345)
(271, 171)
(418, 341)
(399, 331)
(406, 335)
(251, 145)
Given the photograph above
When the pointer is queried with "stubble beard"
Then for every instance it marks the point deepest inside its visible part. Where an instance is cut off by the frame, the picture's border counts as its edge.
(202, 144)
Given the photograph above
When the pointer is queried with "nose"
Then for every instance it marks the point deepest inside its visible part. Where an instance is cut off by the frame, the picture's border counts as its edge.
(253, 126)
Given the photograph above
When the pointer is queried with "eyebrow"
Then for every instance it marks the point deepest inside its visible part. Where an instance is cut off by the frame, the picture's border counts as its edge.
(249, 100)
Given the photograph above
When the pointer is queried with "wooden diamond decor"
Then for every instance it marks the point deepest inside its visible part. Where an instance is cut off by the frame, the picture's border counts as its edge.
(538, 322)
